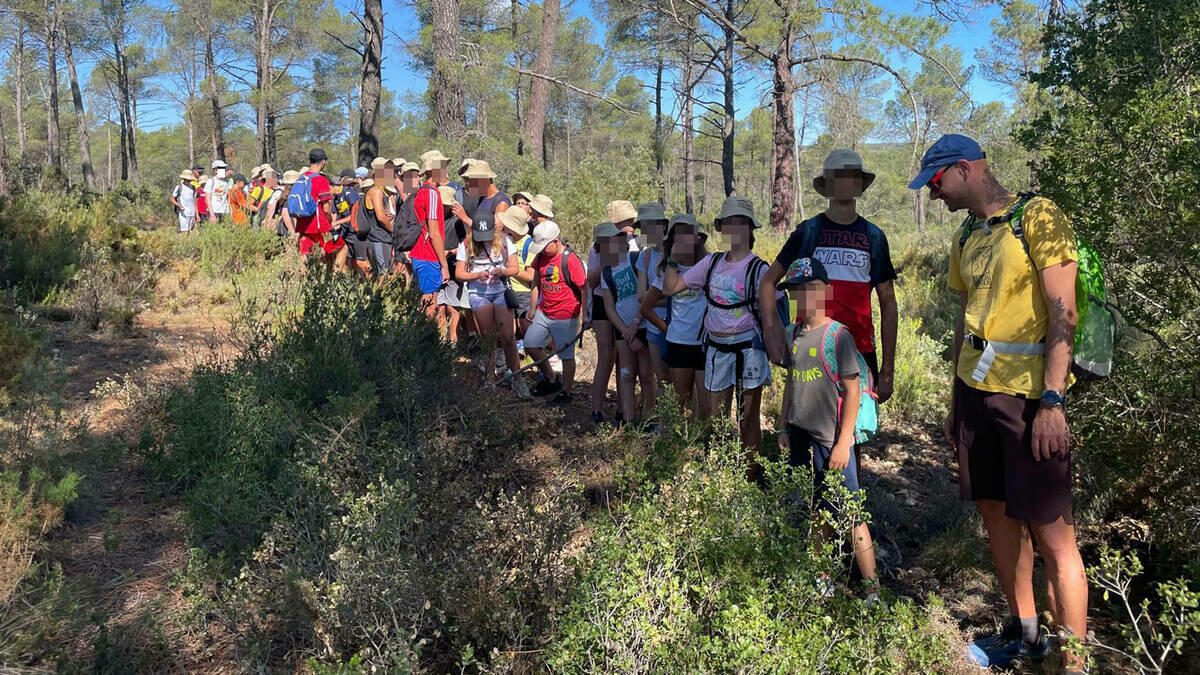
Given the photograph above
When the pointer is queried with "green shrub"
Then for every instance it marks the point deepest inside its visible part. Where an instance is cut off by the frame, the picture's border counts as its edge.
(710, 573)
(19, 344)
(223, 249)
(922, 377)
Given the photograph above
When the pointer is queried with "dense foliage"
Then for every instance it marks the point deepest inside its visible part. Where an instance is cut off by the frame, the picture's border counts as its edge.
(1121, 154)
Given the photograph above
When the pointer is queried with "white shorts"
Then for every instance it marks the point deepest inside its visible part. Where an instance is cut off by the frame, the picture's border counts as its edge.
(187, 223)
(720, 366)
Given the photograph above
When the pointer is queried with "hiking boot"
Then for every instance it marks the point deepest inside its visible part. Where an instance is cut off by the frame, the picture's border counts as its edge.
(563, 398)
(521, 389)
(546, 387)
(1002, 650)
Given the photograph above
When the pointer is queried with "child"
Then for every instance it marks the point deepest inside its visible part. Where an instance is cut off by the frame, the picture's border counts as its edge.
(557, 303)
(734, 356)
(818, 418)
(652, 221)
(682, 248)
(619, 286)
(484, 259)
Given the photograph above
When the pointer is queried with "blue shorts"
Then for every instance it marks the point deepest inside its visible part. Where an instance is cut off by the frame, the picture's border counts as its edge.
(483, 298)
(657, 339)
(804, 451)
(429, 276)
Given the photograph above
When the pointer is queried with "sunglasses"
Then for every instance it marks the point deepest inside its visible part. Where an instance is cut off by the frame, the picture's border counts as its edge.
(935, 183)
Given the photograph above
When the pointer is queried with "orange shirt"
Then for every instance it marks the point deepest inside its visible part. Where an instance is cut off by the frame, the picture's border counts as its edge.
(237, 204)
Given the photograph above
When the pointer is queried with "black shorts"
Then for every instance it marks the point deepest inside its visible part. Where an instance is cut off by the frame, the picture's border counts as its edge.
(687, 357)
(599, 311)
(523, 298)
(994, 433)
(358, 247)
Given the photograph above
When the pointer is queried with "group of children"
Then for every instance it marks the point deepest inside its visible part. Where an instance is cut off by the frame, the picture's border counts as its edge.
(664, 309)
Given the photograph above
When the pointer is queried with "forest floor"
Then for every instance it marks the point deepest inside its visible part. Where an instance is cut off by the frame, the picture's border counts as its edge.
(123, 547)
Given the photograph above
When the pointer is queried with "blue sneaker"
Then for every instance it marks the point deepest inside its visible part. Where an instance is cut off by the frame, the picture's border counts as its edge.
(1001, 651)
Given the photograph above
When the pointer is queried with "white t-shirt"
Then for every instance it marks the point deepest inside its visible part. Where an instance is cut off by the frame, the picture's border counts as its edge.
(687, 313)
(483, 262)
(648, 266)
(217, 190)
(625, 296)
(186, 196)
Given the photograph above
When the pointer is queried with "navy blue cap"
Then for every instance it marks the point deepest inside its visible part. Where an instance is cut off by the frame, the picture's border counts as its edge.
(802, 271)
(948, 150)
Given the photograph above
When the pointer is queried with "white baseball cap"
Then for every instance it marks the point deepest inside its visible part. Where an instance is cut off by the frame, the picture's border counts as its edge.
(543, 234)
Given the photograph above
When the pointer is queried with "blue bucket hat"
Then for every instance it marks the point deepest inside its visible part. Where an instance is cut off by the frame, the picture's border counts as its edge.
(948, 150)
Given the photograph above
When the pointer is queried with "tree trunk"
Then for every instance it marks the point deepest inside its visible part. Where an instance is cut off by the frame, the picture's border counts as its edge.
(799, 149)
(262, 74)
(659, 145)
(124, 145)
(210, 67)
(370, 84)
(131, 139)
(191, 129)
(108, 130)
(783, 137)
(3, 160)
(85, 149)
(274, 158)
(22, 132)
(53, 129)
(539, 89)
(687, 119)
(449, 103)
(729, 124)
(516, 8)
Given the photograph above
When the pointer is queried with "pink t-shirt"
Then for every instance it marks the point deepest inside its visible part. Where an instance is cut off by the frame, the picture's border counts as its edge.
(728, 286)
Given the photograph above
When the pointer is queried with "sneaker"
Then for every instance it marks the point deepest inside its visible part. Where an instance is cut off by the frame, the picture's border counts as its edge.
(555, 364)
(563, 398)
(521, 389)
(597, 418)
(520, 346)
(546, 387)
(1002, 650)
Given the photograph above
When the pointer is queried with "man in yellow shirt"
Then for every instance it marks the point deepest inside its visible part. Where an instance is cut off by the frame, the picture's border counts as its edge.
(1013, 265)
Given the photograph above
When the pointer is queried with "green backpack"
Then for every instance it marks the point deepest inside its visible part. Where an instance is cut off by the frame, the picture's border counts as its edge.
(1095, 331)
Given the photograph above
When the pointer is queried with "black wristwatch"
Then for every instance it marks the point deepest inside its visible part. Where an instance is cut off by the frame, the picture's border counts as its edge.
(1053, 399)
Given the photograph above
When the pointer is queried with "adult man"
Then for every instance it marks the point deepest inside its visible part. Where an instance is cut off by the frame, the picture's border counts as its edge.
(855, 253)
(429, 254)
(216, 191)
(558, 283)
(1012, 346)
(183, 198)
(313, 229)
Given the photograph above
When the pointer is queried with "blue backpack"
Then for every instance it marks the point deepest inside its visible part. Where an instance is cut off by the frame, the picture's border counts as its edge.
(300, 201)
(867, 424)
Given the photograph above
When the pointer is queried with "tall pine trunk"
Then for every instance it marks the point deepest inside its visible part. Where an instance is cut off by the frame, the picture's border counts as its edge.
(19, 95)
(85, 149)
(3, 160)
(687, 119)
(516, 7)
(783, 136)
(539, 89)
(53, 129)
(729, 123)
(370, 84)
(131, 139)
(449, 103)
(262, 73)
(214, 99)
(659, 140)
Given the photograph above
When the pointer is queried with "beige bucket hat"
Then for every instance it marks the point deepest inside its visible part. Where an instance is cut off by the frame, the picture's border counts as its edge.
(433, 159)
(516, 220)
(480, 169)
(620, 210)
(543, 205)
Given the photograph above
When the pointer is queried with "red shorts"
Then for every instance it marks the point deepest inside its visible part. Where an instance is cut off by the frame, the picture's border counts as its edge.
(314, 242)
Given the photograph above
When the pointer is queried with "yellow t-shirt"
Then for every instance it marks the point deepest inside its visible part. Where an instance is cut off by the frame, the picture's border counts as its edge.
(522, 263)
(1004, 292)
(261, 195)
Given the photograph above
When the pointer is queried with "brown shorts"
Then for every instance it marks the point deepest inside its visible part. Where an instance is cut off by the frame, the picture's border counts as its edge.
(994, 433)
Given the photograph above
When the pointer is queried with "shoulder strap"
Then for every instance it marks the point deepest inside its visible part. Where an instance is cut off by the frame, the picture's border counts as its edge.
(607, 273)
(752, 271)
(714, 261)
(811, 237)
(1014, 219)
(829, 352)
(525, 249)
(566, 272)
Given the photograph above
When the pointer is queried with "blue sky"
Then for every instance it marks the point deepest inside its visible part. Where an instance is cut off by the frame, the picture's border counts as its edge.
(401, 18)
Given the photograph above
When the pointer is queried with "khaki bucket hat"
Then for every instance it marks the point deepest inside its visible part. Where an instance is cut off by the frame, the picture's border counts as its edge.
(433, 159)
(543, 205)
(620, 210)
(466, 164)
(449, 195)
(289, 177)
(187, 175)
(737, 206)
(516, 220)
(480, 169)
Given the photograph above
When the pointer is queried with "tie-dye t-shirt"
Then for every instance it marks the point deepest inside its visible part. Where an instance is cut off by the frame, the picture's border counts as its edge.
(728, 286)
